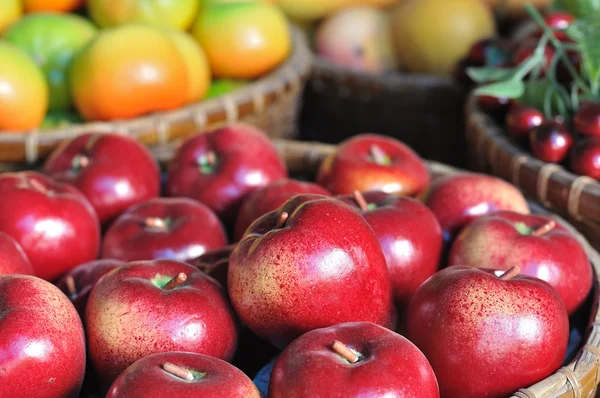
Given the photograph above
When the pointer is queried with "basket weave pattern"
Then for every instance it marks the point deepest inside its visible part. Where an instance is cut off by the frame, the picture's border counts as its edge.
(578, 379)
(270, 103)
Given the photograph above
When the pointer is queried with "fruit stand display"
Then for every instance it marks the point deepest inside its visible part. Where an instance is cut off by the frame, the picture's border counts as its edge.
(542, 133)
(80, 77)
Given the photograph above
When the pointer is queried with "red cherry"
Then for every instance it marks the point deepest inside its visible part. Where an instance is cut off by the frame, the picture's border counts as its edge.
(587, 119)
(585, 158)
(559, 22)
(527, 49)
(550, 141)
(521, 119)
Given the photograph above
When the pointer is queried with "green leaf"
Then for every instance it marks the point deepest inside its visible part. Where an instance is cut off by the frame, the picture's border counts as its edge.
(484, 75)
(586, 33)
(504, 89)
(580, 8)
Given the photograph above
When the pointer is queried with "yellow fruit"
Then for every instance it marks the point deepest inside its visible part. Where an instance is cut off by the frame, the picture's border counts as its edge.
(195, 60)
(432, 35)
(10, 12)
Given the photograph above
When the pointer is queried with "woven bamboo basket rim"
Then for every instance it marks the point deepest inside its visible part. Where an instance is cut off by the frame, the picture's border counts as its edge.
(552, 185)
(351, 82)
(580, 377)
(155, 128)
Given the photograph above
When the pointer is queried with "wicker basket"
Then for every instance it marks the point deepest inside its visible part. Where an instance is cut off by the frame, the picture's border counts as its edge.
(271, 103)
(424, 111)
(573, 196)
(578, 379)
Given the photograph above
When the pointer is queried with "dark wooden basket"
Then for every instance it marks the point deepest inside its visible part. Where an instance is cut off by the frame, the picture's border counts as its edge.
(573, 196)
(424, 111)
(271, 103)
(578, 379)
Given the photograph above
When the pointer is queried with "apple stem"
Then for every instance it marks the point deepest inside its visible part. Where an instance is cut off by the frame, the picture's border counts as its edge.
(156, 223)
(282, 219)
(178, 371)
(80, 162)
(70, 282)
(511, 273)
(38, 186)
(176, 281)
(345, 352)
(549, 226)
(378, 155)
(360, 200)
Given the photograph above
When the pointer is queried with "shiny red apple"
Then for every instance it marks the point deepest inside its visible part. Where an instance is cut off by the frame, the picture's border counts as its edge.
(312, 263)
(370, 162)
(78, 282)
(458, 199)
(13, 259)
(215, 263)
(409, 234)
(113, 171)
(169, 228)
(221, 167)
(540, 246)
(357, 359)
(148, 307)
(42, 343)
(488, 334)
(182, 375)
(585, 158)
(269, 198)
(53, 222)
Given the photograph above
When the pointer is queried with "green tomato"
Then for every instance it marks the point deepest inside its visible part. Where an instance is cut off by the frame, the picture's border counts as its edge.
(223, 86)
(52, 40)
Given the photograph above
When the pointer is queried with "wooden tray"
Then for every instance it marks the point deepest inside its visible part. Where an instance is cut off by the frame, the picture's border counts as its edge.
(270, 103)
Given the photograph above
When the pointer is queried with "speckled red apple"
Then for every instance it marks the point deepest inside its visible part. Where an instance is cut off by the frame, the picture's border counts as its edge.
(182, 375)
(458, 199)
(42, 343)
(149, 307)
(312, 263)
(13, 259)
(370, 162)
(540, 246)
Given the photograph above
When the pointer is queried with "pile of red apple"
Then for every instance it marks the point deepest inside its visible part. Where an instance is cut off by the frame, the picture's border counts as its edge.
(568, 138)
(155, 295)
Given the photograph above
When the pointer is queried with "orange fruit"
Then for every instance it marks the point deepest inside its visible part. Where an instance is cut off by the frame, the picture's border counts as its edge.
(128, 71)
(10, 12)
(432, 35)
(242, 40)
(195, 62)
(51, 5)
(23, 90)
(178, 14)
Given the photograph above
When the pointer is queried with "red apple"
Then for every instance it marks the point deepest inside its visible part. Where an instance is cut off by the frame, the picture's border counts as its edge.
(520, 120)
(550, 141)
(370, 162)
(409, 234)
(295, 268)
(113, 171)
(148, 307)
(182, 375)
(220, 168)
(169, 228)
(215, 263)
(585, 158)
(458, 199)
(486, 334)
(42, 343)
(78, 282)
(13, 259)
(269, 198)
(53, 222)
(352, 360)
(538, 245)
(587, 118)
